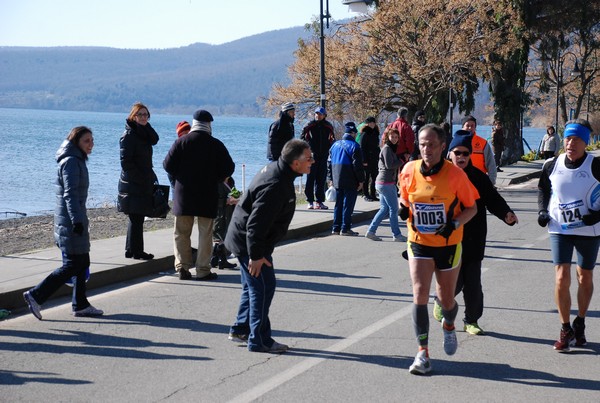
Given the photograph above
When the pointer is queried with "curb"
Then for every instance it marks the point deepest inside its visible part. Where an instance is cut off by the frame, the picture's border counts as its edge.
(13, 300)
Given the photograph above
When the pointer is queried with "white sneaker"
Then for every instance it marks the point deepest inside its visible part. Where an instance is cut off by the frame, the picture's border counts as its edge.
(450, 342)
(372, 236)
(421, 364)
(89, 311)
(400, 238)
(311, 206)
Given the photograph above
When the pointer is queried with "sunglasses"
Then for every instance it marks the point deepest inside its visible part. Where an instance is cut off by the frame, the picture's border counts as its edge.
(459, 153)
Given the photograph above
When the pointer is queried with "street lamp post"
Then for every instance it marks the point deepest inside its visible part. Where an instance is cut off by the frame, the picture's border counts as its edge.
(355, 6)
(559, 63)
(323, 16)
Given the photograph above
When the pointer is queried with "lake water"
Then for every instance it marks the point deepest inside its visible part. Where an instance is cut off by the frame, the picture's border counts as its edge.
(29, 140)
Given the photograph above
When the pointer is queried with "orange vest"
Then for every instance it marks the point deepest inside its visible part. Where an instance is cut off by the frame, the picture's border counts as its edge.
(477, 156)
(435, 200)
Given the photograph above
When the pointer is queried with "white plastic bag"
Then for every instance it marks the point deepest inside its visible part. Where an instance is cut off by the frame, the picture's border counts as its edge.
(330, 194)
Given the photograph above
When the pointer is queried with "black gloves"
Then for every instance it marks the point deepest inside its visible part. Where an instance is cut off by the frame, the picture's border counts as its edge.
(78, 228)
(445, 230)
(543, 218)
(593, 217)
(403, 212)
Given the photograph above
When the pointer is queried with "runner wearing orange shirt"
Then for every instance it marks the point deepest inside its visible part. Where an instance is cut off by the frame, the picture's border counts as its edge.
(437, 198)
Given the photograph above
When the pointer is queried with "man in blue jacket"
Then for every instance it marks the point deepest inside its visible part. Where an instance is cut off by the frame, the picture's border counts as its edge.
(345, 171)
(259, 222)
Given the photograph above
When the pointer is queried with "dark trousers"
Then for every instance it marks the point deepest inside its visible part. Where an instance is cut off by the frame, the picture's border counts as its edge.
(73, 266)
(498, 156)
(135, 234)
(315, 181)
(255, 302)
(344, 207)
(469, 282)
(371, 172)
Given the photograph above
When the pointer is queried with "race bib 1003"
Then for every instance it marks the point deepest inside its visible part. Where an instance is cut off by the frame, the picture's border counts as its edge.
(427, 217)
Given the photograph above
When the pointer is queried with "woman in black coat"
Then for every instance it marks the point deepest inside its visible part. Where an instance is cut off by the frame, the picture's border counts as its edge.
(136, 183)
(475, 232)
(369, 145)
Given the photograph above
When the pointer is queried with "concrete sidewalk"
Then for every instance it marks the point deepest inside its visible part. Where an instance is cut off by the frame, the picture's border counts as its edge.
(21, 272)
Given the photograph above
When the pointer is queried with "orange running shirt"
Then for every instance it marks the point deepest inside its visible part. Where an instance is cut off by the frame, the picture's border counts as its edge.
(435, 200)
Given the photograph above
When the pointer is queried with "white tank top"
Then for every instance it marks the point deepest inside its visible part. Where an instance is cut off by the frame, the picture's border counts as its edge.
(574, 192)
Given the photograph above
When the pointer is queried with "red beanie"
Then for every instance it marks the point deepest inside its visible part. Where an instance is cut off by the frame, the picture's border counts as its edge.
(182, 128)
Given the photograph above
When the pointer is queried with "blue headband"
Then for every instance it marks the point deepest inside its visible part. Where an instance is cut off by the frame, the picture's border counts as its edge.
(577, 130)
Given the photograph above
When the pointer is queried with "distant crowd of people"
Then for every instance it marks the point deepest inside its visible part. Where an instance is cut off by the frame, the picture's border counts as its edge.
(440, 183)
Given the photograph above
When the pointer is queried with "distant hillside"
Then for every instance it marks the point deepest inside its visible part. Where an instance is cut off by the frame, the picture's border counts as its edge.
(226, 79)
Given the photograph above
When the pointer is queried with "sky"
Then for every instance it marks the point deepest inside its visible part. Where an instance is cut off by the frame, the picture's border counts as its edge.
(150, 24)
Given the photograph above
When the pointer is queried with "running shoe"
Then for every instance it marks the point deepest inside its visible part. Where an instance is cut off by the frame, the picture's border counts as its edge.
(311, 206)
(450, 343)
(437, 310)
(400, 238)
(34, 307)
(579, 330)
(372, 236)
(565, 341)
(321, 206)
(474, 329)
(421, 365)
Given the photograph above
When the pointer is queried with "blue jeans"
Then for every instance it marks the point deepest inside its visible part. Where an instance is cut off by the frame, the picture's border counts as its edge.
(73, 266)
(315, 180)
(253, 312)
(344, 207)
(388, 199)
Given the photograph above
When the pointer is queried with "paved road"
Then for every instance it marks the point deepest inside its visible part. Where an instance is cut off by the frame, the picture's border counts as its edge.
(346, 316)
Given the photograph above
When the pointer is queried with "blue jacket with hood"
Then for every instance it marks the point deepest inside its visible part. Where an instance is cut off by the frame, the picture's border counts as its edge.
(72, 182)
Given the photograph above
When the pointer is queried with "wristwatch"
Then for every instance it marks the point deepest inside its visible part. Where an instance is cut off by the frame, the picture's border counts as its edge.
(456, 224)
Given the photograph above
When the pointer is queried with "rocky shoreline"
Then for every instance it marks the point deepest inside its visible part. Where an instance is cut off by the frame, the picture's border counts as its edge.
(27, 234)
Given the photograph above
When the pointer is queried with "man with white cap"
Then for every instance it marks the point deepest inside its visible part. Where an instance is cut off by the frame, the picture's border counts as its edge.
(569, 205)
(197, 162)
(281, 131)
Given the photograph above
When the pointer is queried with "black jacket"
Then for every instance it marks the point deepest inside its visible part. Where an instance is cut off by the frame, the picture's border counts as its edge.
(263, 215)
(475, 231)
(319, 134)
(197, 162)
(280, 132)
(369, 145)
(136, 183)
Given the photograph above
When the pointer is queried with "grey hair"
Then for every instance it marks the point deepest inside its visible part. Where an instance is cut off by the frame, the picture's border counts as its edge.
(293, 150)
(440, 133)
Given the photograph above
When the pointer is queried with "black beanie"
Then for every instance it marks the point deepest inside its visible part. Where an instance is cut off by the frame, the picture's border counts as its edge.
(461, 138)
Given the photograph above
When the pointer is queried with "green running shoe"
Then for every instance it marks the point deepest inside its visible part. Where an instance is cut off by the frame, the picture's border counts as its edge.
(474, 329)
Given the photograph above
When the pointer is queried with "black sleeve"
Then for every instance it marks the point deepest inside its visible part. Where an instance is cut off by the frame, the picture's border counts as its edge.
(544, 185)
(596, 168)
(493, 201)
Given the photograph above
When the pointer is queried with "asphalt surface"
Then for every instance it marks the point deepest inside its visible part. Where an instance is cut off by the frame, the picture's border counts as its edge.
(343, 304)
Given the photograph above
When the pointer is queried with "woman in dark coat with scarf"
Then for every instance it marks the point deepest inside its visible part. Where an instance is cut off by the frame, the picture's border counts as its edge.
(70, 226)
(136, 183)
(369, 145)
